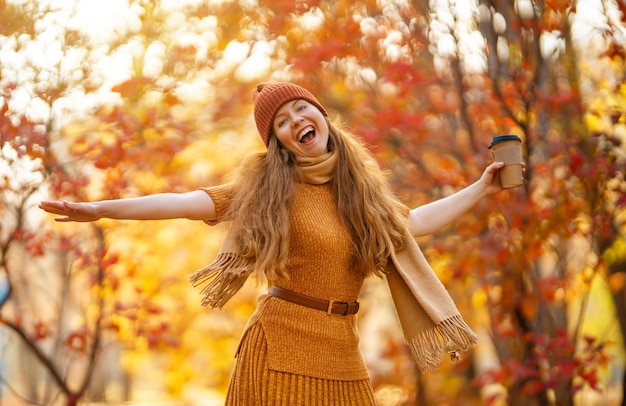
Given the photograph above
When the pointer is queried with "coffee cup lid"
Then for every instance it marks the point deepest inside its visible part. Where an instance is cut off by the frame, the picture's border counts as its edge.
(502, 138)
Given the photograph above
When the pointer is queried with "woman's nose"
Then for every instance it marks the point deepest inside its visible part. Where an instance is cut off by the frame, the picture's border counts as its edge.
(296, 120)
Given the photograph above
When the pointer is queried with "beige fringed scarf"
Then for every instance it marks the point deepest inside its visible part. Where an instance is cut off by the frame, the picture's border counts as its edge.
(430, 321)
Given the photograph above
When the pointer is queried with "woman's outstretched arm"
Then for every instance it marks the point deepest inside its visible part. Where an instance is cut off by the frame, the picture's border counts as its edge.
(429, 218)
(196, 205)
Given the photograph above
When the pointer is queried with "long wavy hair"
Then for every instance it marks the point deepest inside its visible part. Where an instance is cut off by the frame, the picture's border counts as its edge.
(263, 197)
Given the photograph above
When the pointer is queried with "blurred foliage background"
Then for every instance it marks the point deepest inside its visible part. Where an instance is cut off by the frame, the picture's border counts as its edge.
(103, 100)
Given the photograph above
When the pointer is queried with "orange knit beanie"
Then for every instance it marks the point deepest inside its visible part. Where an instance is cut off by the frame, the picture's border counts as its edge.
(270, 96)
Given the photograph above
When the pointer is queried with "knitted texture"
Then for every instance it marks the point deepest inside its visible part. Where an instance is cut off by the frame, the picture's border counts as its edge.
(300, 340)
(254, 383)
(270, 96)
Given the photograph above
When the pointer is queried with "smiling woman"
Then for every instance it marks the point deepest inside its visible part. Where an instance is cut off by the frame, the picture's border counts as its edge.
(300, 125)
(313, 216)
(301, 128)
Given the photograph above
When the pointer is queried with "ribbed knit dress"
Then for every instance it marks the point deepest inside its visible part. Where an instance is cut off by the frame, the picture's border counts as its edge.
(294, 355)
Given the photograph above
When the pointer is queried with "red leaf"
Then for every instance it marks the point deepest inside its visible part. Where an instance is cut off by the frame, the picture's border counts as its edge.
(41, 331)
(77, 341)
(532, 388)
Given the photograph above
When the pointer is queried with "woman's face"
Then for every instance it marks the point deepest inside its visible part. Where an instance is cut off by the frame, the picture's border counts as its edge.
(301, 128)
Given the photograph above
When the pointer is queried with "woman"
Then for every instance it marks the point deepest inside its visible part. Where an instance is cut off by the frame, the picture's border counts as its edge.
(313, 216)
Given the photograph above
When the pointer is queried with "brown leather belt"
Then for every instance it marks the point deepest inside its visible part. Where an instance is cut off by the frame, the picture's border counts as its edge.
(329, 306)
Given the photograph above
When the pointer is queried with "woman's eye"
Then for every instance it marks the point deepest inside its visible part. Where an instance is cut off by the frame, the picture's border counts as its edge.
(302, 107)
(281, 122)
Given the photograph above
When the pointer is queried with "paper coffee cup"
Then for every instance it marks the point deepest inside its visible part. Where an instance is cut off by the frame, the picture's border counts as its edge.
(508, 149)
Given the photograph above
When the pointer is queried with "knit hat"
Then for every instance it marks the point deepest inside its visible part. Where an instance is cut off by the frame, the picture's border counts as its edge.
(270, 96)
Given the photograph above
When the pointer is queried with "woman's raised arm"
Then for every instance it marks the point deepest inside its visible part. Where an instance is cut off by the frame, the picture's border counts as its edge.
(433, 216)
(196, 205)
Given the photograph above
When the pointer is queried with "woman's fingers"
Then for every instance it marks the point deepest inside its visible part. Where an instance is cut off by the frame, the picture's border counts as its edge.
(53, 207)
(69, 211)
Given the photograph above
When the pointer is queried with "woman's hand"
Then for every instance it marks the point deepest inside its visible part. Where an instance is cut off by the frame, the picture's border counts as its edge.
(69, 211)
(490, 179)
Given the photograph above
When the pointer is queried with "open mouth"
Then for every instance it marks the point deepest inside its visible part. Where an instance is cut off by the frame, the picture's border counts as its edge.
(306, 135)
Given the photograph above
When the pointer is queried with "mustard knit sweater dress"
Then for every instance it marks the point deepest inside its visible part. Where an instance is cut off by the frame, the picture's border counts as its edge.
(294, 355)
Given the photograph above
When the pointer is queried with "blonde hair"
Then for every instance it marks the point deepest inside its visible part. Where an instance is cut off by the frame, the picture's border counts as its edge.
(264, 193)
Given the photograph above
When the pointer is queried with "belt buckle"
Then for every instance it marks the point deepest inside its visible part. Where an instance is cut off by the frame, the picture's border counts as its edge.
(330, 308)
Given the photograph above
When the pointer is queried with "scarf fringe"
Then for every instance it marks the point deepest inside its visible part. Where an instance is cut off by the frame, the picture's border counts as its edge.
(451, 335)
(223, 277)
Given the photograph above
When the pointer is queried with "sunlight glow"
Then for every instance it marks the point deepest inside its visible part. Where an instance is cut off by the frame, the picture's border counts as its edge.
(11, 163)
(257, 64)
(153, 59)
(312, 19)
(103, 20)
(169, 6)
(234, 54)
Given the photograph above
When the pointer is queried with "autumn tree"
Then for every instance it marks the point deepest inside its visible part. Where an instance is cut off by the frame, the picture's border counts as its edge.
(52, 332)
(429, 88)
(426, 84)
(71, 131)
(560, 235)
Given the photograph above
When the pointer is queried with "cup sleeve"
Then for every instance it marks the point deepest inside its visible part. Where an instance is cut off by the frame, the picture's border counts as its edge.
(510, 155)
